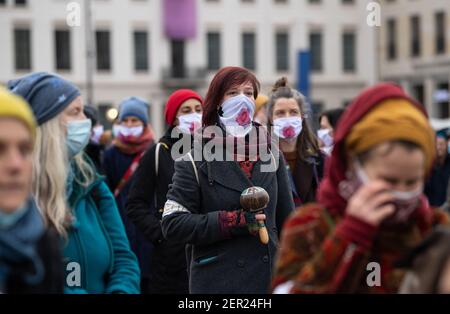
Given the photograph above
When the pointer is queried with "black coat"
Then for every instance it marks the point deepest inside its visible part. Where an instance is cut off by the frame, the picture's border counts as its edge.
(168, 269)
(220, 265)
(49, 249)
(95, 153)
(307, 177)
(437, 184)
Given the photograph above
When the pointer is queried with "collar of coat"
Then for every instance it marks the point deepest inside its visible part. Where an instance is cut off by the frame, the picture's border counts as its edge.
(230, 175)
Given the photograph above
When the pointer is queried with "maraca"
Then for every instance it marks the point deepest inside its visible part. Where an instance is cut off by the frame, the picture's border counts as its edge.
(254, 200)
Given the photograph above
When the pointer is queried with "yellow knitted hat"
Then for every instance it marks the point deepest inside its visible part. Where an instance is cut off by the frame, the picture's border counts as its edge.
(15, 107)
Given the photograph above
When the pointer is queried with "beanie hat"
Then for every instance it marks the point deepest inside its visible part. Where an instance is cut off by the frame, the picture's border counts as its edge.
(15, 107)
(176, 100)
(134, 107)
(47, 94)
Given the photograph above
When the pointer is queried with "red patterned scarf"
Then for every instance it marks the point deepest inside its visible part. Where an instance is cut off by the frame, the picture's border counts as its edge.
(132, 145)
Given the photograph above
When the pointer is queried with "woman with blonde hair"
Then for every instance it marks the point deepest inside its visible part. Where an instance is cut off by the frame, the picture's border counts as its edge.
(71, 195)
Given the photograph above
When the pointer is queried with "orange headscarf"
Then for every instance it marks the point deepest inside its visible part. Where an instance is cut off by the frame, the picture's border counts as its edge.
(393, 119)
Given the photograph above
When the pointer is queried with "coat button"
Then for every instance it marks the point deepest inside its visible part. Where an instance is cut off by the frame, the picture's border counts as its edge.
(241, 263)
(265, 259)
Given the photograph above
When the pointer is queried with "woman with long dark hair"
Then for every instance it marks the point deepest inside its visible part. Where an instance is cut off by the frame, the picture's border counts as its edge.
(289, 116)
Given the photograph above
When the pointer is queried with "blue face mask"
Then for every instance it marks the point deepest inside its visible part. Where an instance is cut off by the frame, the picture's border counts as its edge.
(78, 135)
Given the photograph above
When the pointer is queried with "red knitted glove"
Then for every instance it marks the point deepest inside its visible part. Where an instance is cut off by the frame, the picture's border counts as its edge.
(237, 223)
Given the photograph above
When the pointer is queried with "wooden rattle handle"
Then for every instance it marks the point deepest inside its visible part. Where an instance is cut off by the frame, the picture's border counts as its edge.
(263, 234)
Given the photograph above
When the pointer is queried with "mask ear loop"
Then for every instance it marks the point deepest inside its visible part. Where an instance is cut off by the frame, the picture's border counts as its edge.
(360, 173)
(352, 181)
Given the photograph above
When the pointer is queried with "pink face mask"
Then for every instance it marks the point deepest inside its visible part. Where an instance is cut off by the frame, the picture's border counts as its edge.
(405, 202)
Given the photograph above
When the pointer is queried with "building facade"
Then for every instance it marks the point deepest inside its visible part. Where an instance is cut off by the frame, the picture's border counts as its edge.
(414, 50)
(148, 48)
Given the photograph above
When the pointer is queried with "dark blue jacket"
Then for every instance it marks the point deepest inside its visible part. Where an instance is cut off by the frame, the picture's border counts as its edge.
(115, 164)
(436, 186)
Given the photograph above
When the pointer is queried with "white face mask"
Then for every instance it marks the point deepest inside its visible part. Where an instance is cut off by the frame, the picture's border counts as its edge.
(288, 128)
(325, 137)
(327, 150)
(189, 123)
(237, 117)
(97, 133)
(131, 132)
(405, 202)
(116, 130)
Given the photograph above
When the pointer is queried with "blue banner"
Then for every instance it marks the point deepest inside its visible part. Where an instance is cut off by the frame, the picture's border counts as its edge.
(303, 72)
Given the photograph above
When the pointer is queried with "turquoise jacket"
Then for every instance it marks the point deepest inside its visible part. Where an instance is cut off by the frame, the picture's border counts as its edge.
(97, 243)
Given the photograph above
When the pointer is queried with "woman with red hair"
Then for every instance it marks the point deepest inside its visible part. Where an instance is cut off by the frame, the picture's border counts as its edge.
(371, 209)
(203, 203)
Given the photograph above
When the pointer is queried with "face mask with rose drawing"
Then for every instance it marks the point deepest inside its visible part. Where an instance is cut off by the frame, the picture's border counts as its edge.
(288, 128)
(237, 115)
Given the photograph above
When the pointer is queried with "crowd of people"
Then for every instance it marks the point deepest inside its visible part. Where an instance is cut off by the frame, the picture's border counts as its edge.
(261, 201)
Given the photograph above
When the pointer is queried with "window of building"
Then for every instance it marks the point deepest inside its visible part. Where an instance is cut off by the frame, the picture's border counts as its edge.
(22, 49)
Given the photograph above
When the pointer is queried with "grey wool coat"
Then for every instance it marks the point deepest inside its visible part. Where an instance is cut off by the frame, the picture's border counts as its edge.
(217, 265)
